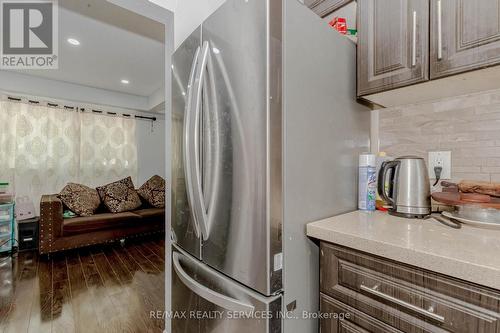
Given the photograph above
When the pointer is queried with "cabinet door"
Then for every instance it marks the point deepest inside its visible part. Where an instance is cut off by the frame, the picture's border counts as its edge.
(325, 7)
(465, 35)
(393, 44)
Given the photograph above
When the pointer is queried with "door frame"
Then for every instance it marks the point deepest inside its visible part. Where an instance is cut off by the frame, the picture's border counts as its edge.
(166, 17)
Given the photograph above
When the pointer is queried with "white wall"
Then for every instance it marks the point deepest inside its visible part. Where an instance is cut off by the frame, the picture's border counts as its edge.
(168, 4)
(188, 14)
(150, 149)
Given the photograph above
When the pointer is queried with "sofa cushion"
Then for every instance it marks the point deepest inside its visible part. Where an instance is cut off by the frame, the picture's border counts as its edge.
(86, 224)
(153, 191)
(80, 199)
(120, 196)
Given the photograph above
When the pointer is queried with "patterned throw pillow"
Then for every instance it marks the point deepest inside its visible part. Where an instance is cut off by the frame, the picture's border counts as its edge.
(120, 196)
(153, 191)
(80, 199)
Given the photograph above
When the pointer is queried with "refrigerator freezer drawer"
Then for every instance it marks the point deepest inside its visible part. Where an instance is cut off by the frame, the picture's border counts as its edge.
(204, 301)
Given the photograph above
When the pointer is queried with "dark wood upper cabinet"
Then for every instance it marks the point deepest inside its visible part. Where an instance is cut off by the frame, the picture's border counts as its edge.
(465, 35)
(325, 7)
(393, 44)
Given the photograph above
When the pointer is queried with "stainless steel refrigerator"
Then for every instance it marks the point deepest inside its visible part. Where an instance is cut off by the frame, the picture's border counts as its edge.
(266, 132)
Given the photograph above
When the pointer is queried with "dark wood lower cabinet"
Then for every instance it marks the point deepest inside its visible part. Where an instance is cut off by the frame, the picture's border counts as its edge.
(365, 293)
(345, 319)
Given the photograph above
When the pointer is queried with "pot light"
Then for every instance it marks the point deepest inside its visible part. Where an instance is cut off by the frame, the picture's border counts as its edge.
(125, 81)
(215, 50)
(73, 41)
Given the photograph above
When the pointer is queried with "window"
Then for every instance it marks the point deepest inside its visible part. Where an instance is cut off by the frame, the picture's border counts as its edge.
(42, 148)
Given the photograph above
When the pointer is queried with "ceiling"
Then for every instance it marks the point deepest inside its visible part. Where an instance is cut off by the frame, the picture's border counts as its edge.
(115, 44)
(189, 14)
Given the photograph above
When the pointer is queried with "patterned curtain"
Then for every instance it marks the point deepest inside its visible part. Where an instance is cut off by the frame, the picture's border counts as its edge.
(108, 149)
(43, 148)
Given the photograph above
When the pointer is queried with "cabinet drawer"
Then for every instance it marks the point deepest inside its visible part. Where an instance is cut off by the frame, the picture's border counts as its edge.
(382, 288)
(342, 318)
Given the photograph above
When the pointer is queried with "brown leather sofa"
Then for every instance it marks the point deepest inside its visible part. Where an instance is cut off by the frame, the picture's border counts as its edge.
(57, 234)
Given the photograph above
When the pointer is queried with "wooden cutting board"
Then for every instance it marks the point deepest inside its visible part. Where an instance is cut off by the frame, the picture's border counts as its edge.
(457, 198)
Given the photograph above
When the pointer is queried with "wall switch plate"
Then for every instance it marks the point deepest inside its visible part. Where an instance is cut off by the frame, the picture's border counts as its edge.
(442, 159)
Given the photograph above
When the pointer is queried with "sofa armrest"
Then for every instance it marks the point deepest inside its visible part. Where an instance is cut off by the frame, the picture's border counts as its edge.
(51, 221)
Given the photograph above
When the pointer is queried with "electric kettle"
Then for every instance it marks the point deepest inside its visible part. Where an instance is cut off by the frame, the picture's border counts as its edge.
(404, 184)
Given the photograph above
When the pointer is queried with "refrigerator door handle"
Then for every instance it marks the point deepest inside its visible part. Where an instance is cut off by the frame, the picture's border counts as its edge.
(199, 205)
(212, 169)
(213, 297)
(186, 137)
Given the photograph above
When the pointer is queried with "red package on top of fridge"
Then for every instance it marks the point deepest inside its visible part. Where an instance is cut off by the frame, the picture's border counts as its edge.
(339, 24)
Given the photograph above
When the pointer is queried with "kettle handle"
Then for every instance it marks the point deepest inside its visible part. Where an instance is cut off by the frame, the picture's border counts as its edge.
(382, 178)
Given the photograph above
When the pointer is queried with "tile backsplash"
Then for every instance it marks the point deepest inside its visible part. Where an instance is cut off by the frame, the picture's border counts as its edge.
(468, 125)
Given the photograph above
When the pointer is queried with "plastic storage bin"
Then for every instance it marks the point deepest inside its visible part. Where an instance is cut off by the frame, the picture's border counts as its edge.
(4, 187)
(4, 216)
(6, 198)
(6, 243)
(6, 227)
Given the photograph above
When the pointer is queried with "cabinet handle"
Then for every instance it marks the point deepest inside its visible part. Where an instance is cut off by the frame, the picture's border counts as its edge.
(414, 41)
(412, 307)
(440, 30)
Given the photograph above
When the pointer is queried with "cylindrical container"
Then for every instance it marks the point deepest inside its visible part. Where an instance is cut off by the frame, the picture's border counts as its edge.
(367, 181)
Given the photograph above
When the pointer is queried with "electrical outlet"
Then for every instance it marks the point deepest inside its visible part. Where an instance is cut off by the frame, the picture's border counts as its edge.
(442, 159)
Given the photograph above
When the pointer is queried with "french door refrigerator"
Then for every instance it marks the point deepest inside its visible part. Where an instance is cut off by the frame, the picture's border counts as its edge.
(265, 137)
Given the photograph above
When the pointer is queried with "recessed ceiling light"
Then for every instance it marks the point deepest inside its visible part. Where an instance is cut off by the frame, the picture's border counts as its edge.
(124, 81)
(216, 50)
(73, 41)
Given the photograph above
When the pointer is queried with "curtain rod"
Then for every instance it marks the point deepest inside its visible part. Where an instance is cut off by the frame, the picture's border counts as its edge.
(67, 107)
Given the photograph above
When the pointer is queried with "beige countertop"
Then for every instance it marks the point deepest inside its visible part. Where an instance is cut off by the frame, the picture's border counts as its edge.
(471, 254)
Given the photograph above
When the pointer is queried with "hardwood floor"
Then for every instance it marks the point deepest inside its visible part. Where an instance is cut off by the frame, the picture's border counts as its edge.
(110, 288)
